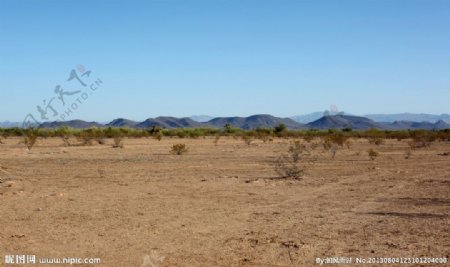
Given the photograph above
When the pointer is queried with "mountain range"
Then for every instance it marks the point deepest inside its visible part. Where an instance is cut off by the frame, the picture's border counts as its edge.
(338, 121)
(418, 117)
(316, 120)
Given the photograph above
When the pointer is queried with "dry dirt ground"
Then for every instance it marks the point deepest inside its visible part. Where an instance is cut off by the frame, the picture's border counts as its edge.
(220, 205)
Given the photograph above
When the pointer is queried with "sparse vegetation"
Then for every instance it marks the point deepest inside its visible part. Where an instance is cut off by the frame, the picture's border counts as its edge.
(289, 165)
(118, 141)
(247, 139)
(376, 140)
(333, 142)
(179, 149)
(372, 154)
(30, 137)
(408, 153)
(419, 138)
(280, 129)
(216, 140)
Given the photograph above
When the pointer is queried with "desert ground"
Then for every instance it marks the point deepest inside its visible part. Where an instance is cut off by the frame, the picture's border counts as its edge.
(221, 205)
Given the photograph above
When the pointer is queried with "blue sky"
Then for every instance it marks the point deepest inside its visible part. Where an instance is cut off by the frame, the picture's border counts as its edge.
(226, 57)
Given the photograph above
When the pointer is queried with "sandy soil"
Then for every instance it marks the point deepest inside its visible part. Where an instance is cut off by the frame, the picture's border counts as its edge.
(220, 205)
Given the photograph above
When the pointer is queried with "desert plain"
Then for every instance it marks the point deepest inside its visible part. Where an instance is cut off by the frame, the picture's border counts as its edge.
(221, 204)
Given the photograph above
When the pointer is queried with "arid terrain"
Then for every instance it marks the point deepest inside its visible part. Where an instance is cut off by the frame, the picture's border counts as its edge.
(221, 205)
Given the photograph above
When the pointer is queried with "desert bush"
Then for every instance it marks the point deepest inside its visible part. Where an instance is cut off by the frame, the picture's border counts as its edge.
(372, 154)
(228, 129)
(415, 144)
(279, 129)
(158, 136)
(155, 129)
(330, 147)
(100, 140)
(85, 138)
(308, 137)
(247, 139)
(376, 140)
(422, 139)
(118, 141)
(288, 165)
(263, 134)
(179, 149)
(216, 140)
(348, 144)
(66, 141)
(314, 145)
(337, 138)
(30, 137)
(408, 153)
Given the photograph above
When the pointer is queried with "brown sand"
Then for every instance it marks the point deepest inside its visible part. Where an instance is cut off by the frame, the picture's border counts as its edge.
(220, 205)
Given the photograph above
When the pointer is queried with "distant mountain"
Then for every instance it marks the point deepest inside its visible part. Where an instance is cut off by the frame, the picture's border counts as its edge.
(201, 118)
(170, 122)
(409, 117)
(307, 118)
(77, 124)
(339, 121)
(363, 123)
(345, 121)
(122, 123)
(8, 124)
(402, 125)
(255, 121)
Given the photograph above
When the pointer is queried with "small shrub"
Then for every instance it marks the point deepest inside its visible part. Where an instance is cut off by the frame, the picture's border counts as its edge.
(331, 147)
(314, 145)
(408, 153)
(348, 144)
(101, 141)
(158, 136)
(372, 154)
(247, 139)
(280, 128)
(216, 140)
(287, 169)
(66, 141)
(308, 138)
(179, 149)
(418, 143)
(118, 141)
(229, 129)
(288, 166)
(85, 138)
(30, 137)
(376, 140)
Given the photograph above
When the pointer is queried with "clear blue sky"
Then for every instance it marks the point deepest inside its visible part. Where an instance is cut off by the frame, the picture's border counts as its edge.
(226, 57)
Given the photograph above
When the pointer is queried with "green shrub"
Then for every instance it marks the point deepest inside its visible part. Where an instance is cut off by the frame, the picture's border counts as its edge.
(280, 128)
